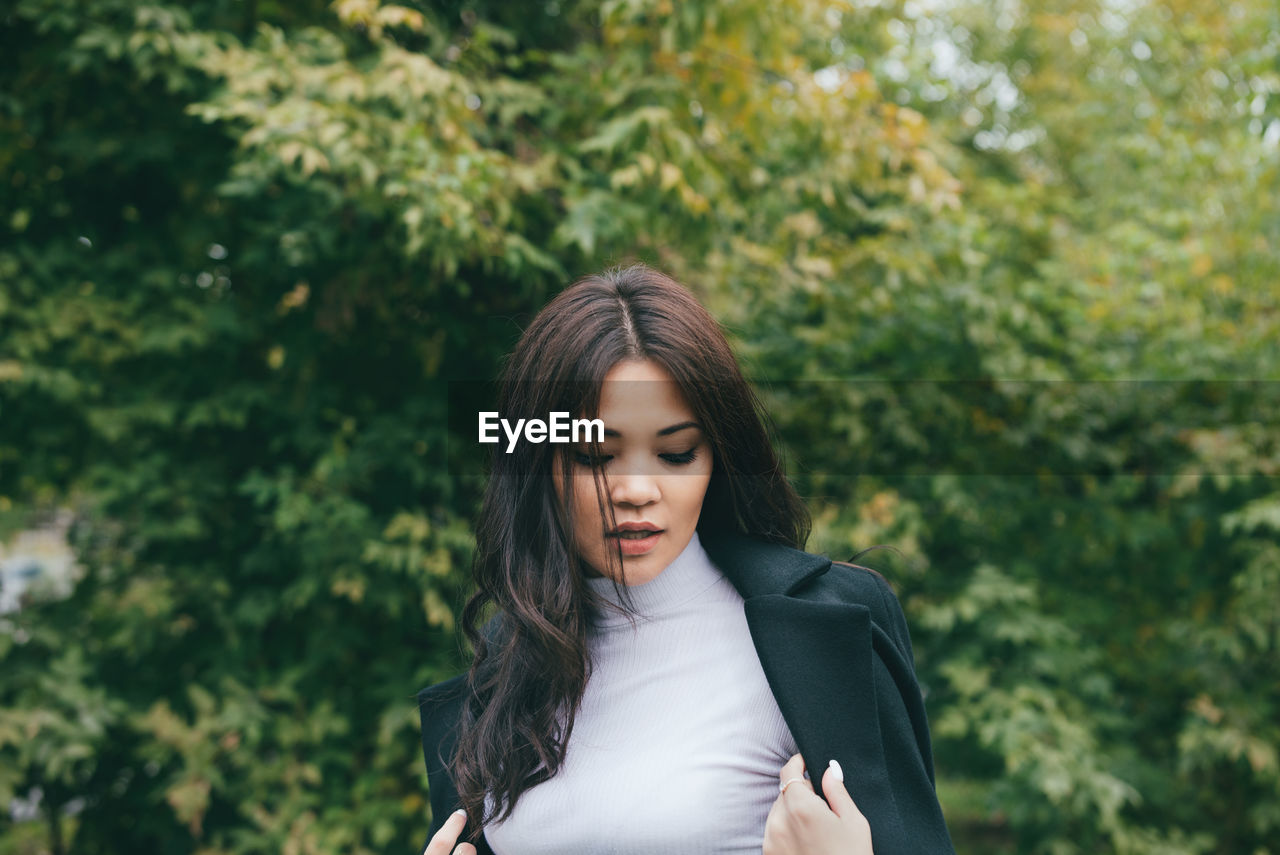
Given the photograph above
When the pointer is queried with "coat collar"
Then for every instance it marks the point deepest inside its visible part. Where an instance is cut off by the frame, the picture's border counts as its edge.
(758, 568)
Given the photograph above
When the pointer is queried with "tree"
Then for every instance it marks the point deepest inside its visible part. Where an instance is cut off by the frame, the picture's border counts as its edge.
(259, 257)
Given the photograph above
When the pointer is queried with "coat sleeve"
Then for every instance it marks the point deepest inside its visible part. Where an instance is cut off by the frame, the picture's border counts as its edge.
(896, 628)
(917, 823)
(908, 748)
(896, 619)
(438, 708)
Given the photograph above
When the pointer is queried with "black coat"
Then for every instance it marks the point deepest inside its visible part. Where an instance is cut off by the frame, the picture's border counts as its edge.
(833, 643)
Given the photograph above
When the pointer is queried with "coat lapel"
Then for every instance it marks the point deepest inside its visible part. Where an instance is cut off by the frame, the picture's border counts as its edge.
(757, 568)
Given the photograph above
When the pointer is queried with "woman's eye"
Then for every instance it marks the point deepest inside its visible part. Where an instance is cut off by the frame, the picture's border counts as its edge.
(677, 458)
(681, 458)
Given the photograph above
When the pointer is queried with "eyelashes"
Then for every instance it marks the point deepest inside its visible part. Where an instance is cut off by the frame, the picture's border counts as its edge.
(682, 458)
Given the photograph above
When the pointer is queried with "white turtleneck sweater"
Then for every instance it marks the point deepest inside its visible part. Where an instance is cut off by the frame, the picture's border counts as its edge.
(679, 741)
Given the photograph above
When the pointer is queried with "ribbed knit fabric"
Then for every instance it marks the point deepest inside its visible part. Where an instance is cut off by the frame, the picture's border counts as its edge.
(679, 741)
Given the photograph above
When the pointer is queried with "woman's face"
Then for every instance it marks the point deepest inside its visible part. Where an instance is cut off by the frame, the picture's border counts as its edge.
(656, 464)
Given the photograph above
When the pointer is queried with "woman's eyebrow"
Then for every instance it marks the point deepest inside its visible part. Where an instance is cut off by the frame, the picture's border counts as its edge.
(666, 431)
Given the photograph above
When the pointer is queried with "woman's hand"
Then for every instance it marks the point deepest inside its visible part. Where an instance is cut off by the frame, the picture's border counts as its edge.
(442, 842)
(800, 823)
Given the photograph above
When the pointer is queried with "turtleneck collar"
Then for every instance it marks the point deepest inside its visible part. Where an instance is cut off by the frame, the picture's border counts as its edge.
(689, 574)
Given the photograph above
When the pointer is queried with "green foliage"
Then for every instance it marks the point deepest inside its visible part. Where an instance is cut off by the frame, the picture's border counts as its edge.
(973, 257)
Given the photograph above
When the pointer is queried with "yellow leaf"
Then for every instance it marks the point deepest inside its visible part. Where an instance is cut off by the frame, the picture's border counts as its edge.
(1261, 756)
(294, 298)
(290, 150)
(815, 265)
(351, 589)
(627, 176)
(671, 175)
(880, 508)
(352, 12)
(1201, 265)
(313, 160)
(694, 201)
(804, 224)
(437, 611)
(189, 799)
(392, 16)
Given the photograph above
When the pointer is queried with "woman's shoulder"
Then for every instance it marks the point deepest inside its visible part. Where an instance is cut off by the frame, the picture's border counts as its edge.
(850, 582)
(868, 577)
(442, 692)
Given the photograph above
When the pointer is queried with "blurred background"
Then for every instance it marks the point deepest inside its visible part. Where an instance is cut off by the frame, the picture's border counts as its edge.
(1005, 273)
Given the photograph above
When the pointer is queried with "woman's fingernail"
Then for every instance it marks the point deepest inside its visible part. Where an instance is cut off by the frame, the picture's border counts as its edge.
(835, 767)
(461, 812)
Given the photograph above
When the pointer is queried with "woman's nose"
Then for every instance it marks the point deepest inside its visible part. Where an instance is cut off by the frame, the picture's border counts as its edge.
(633, 488)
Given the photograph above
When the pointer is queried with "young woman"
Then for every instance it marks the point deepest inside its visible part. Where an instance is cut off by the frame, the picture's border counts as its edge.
(663, 662)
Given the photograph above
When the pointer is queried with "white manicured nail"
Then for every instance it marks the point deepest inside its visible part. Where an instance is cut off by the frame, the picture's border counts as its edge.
(835, 767)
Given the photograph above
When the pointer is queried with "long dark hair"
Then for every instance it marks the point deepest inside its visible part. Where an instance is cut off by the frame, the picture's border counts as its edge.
(527, 681)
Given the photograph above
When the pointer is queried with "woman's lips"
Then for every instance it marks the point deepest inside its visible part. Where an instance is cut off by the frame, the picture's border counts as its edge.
(637, 546)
